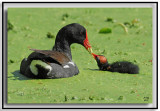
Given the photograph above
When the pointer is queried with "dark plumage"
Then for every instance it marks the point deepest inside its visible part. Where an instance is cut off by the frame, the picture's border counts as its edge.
(121, 67)
(51, 56)
(56, 63)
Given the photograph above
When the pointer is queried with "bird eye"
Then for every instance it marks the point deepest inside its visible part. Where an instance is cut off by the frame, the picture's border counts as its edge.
(81, 32)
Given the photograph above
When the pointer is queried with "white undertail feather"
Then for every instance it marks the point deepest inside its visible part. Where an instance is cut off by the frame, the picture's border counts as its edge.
(34, 69)
(67, 66)
(71, 63)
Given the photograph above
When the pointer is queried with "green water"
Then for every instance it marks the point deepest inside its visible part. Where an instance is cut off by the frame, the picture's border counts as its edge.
(30, 29)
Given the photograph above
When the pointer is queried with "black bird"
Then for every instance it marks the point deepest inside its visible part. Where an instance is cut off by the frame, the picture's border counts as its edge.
(56, 63)
(121, 67)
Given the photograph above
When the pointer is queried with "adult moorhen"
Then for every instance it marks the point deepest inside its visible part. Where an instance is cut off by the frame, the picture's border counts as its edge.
(56, 63)
(121, 67)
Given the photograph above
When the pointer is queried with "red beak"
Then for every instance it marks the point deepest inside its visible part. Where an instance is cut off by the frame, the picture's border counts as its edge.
(87, 44)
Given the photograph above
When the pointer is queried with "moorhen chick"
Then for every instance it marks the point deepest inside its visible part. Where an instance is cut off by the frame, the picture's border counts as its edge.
(121, 67)
(56, 63)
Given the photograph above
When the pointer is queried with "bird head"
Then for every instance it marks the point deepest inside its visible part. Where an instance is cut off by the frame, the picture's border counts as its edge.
(74, 33)
(101, 61)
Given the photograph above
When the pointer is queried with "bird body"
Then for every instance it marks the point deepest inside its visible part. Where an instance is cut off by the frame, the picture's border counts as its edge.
(56, 63)
(121, 67)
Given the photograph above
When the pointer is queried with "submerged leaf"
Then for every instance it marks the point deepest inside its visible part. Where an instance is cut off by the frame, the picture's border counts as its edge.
(110, 20)
(9, 26)
(49, 35)
(127, 23)
(74, 98)
(105, 30)
(120, 98)
(65, 16)
(11, 61)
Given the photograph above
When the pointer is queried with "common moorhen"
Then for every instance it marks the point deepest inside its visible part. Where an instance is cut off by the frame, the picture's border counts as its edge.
(121, 67)
(56, 63)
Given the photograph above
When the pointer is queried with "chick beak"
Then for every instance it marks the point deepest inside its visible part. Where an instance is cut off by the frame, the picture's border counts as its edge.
(87, 44)
(94, 56)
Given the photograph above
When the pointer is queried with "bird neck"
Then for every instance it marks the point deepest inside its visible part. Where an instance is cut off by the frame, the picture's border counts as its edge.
(63, 46)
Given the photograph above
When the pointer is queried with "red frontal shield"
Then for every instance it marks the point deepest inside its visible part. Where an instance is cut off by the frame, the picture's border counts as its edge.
(87, 44)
